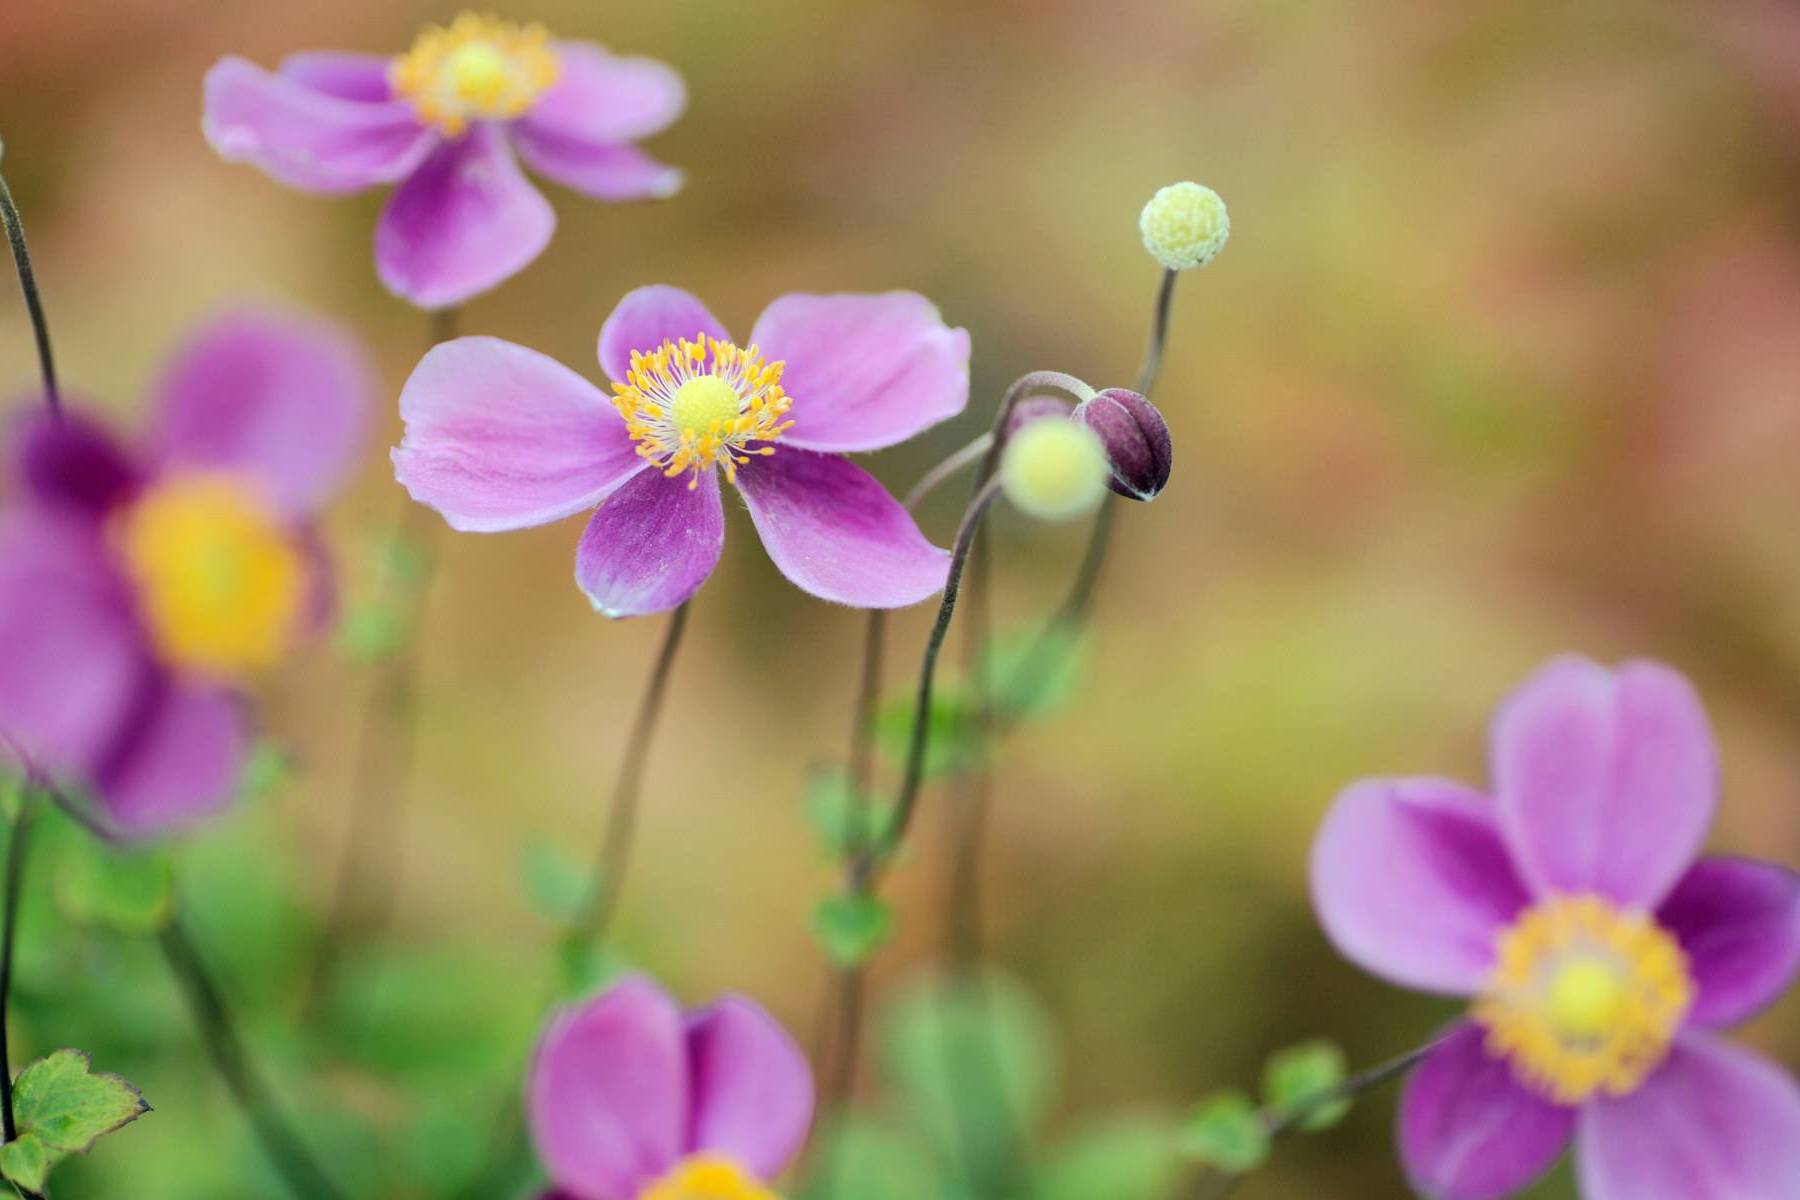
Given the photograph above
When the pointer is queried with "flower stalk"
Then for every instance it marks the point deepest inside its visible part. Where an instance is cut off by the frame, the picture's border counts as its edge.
(34, 303)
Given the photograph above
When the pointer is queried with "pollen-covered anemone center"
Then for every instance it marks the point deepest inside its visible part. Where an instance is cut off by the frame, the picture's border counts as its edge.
(477, 69)
(1584, 998)
(691, 405)
(219, 581)
(707, 1177)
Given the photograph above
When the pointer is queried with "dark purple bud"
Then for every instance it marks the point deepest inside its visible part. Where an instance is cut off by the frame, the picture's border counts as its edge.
(1035, 408)
(1136, 439)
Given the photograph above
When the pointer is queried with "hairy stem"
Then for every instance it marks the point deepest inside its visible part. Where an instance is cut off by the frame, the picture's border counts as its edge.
(17, 848)
(298, 1169)
(34, 304)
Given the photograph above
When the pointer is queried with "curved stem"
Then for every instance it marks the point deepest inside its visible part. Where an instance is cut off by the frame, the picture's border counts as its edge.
(34, 304)
(17, 847)
(614, 855)
(929, 482)
(289, 1155)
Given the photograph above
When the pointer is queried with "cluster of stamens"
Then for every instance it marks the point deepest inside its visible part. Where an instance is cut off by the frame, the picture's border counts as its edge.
(692, 404)
(478, 68)
(1584, 998)
(707, 1177)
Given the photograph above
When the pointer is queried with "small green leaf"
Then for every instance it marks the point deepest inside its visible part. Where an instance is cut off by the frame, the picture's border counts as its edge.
(842, 824)
(1034, 672)
(67, 1107)
(370, 633)
(1294, 1079)
(1129, 1158)
(554, 880)
(585, 965)
(267, 767)
(129, 890)
(25, 1161)
(1226, 1131)
(953, 742)
(852, 927)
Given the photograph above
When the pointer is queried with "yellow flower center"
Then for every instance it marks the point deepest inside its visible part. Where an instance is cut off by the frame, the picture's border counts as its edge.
(690, 405)
(219, 581)
(1584, 998)
(707, 1177)
(477, 69)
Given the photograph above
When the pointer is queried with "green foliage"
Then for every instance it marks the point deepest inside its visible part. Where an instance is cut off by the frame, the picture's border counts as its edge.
(1033, 673)
(1294, 1079)
(585, 965)
(860, 1160)
(1125, 1159)
(266, 769)
(123, 889)
(971, 1056)
(1227, 1131)
(63, 1107)
(954, 741)
(369, 633)
(836, 817)
(554, 880)
(851, 927)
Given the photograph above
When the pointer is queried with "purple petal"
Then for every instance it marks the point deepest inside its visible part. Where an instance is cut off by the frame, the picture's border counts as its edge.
(176, 762)
(1715, 1122)
(601, 172)
(752, 1088)
(1738, 921)
(1604, 781)
(307, 138)
(340, 73)
(71, 656)
(1411, 881)
(74, 464)
(608, 1092)
(501, 437)
(835, 532)
(277, 399)
(1469, 1130)
(651, 545)
(466, 220)
(648, 317)
(603, 99)
(864, 371)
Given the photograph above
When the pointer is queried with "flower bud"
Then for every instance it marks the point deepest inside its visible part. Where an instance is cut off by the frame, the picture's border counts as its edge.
(1184, 225)
(1054, 470)
(1135, 438)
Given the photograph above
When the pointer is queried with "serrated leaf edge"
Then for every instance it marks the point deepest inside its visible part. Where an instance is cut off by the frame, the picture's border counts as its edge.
(87, 1066)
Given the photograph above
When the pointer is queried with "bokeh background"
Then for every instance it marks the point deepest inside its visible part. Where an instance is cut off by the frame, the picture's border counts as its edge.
(1503, 360)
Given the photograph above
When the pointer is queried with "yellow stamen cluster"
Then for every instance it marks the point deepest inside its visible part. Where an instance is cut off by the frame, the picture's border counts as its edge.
(479, 68)
(219, 581)
(693, 404)
(707, 1177)
(1584, 998)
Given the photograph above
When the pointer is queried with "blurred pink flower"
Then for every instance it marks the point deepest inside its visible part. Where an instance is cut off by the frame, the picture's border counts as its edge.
(631, 1099)
(1600, 952)
(138, 587)
(500, 437)
(443, 121)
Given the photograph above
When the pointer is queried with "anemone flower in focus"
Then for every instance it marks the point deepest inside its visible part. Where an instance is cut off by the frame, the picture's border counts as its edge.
(140, 587)
(500, 437)
(443, 121)
(632, 1099)
(1600, 954)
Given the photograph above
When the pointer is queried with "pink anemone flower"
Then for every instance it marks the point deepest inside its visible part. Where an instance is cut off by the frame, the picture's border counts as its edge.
(1601, 954)
(500, 437)
(140, 587)
(443, 121)
(631, 1099)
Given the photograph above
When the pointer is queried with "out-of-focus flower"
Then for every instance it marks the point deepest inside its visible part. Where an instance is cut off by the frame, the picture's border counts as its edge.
(632, 1099)
(1599, 953)
(138, 588)
(1185, 225)
(1136, 440)
(1054, 470)
(443, 121)
(500, 437)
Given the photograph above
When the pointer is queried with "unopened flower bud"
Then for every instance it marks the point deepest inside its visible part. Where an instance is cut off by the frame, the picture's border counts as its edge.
(1054, 470)
(1135, 438)
(1185, 225)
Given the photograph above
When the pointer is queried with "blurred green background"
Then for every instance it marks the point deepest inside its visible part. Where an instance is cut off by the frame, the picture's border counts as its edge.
(1503, 359)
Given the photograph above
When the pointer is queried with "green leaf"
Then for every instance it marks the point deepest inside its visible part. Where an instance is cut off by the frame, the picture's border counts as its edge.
(267, 767)
(586, 965)
(852, 927)
(953, 741)
(67, 1107)
(839, 821)
(25, 1161)
(369, 633)
(1227, 1131)
(555, 881)
(1293, 1078)
(129, 890)
(1131, 1158)
(1034, 672)
(861, 1160)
